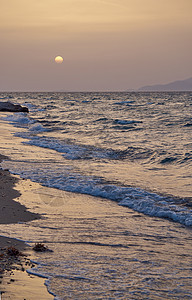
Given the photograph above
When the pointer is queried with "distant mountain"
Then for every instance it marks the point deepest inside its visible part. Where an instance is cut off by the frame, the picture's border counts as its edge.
(180, 85)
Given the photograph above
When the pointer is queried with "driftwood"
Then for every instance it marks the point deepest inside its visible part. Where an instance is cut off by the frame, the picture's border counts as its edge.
(8, 106)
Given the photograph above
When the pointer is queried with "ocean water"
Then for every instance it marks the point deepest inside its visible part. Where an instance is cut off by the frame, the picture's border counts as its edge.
(128, 152)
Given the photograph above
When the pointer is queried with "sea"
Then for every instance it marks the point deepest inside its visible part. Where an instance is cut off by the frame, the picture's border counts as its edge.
(115, 175)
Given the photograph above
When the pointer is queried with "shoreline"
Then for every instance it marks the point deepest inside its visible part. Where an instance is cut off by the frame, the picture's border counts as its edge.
(15, 282)
(87, 234)
(98, 229)
(12, 211)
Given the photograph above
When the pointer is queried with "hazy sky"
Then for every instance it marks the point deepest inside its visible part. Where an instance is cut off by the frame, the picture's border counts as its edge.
(106, 44)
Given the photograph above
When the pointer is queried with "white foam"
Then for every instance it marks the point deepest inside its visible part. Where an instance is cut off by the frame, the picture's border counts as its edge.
(126, 122)
(69, 151)
(137, 199)
(18, 119)
(34, 272)
(126, 102)
(37, 127)
(153, 208)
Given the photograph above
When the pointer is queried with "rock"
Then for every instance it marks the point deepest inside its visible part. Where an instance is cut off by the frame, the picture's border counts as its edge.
(12, 251)
(41, 248)
(8, 106)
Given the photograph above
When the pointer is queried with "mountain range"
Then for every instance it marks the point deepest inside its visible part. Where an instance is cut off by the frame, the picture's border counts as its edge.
(179, 85)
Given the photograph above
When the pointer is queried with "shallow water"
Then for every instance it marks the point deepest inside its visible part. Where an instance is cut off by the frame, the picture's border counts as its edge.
(132, 148)
(104, 251)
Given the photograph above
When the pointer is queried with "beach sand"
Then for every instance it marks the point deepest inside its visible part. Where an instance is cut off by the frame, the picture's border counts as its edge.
(154, 248)
(11, 211)
(90, 222)
(15, 282)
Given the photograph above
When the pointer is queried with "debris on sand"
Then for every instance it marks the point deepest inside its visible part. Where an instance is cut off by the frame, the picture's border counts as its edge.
(12, 251)
(41, 248)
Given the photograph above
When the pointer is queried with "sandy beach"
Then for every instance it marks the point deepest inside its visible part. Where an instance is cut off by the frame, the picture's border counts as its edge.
(15, 282)
(97, 232)
(12, 211)
(101, 250)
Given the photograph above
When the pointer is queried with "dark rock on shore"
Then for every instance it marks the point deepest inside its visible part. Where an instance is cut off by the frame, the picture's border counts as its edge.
(8, 106)
(41, 248)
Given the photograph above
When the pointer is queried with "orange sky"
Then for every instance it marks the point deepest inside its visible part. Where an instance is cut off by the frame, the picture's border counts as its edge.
(106, 44)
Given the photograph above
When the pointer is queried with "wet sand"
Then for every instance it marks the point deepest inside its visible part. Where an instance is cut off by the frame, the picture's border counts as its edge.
(95, 236)
(11, 211)
(152, 254)
(15, 282)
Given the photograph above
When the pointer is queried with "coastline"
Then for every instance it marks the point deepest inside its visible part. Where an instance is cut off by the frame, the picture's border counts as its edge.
(97, 229)
(12, 211)
(87, 235)
(15, 282)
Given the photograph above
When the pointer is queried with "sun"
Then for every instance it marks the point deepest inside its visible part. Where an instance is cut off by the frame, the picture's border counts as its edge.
(59, 59)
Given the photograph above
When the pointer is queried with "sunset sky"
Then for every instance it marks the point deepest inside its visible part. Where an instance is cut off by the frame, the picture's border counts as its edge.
(106, 44)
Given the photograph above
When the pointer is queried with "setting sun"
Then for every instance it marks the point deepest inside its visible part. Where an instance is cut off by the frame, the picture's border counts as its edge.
(59, 59)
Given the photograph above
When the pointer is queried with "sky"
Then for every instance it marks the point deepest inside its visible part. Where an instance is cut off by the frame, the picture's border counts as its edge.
(107, 45)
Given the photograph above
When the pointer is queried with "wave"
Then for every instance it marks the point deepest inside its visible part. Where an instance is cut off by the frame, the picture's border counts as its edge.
(95, 122)
(148, 203)
(188, 125)
(19, 119)
(79, 152)
(37, 128)
(177, 159)
(74, 151)
(125, 122)
(101, 120)
(71, 151)
(125, 102)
